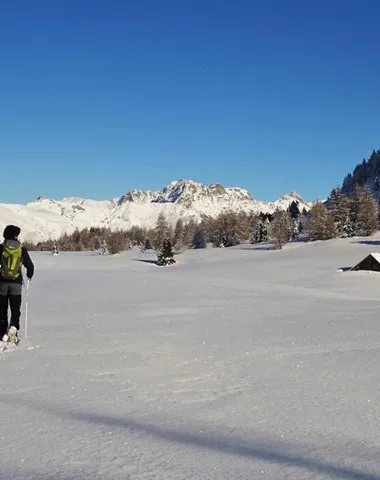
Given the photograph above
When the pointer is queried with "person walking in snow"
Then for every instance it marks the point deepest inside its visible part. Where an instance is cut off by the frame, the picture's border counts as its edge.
(12, 256)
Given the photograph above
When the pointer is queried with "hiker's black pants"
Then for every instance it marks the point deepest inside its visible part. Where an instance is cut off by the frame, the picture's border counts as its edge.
(10, 295)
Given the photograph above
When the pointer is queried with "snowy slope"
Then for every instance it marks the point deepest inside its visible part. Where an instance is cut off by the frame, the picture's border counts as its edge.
(232, 364)
(186, 199)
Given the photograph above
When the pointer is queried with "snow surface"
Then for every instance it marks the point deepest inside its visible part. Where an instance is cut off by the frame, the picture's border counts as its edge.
(46, 219)
(240, 363)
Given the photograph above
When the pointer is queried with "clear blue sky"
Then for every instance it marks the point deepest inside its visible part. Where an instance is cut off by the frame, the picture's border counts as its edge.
(101, 96)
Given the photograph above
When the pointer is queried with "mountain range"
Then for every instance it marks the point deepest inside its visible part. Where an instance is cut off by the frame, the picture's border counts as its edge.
(47, 218)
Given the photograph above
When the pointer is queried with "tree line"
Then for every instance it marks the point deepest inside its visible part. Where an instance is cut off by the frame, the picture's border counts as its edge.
(341, 216)
(365, 174)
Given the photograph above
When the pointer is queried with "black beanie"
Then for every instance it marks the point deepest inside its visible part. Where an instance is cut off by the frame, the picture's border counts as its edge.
(11, 232)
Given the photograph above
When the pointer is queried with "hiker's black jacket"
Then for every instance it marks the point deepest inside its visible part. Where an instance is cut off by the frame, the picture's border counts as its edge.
(26, 261)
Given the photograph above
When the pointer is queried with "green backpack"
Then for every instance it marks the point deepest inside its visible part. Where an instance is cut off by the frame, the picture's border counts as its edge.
(11, 261)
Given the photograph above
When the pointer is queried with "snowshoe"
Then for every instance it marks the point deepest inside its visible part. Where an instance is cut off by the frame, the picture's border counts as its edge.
(13, 336)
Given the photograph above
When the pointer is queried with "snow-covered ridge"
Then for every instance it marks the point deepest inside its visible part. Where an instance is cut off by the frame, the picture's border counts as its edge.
(139, 196)
(47, 218)
(197, 196)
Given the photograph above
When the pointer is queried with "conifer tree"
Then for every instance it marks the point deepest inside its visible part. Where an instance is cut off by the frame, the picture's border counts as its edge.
(55, 249)
(189, 231)
(354, 209)
(321, 225)
(367, 214)
(116, 242)
(78, 246)
(224, 231)
(104, 247)
(280, 230)
(146, 245)
(253, 221)
(162, 231)
(96, 243)
(294, 210)
(295, 228)
(65, 242)
(165, 256)
(244, 226)
(178, 239)
(340, 207)
(199, 240)
(137, 235)
(261, 231)
(76, 238)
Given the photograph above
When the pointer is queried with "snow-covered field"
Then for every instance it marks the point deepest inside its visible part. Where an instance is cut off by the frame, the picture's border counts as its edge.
(233, 364)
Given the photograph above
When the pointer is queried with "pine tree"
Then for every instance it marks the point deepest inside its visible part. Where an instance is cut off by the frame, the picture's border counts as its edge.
(261, 231)
(330, 228)
(96, 243)
(165, 256)
(294, 210)
(65, 242)
(55, 249)
(116, 242)
(136, 235)
(146, 245)
(76, 239)
(253, 221)
(162, 231)
(244, 226)
(339, 205)
(178, 239)
(364, 174)
(367, 223)
(354, 209)
(295, 228)
(265, 230)
(199, 240)
(321, 225)
(104, 247)
(189, 231)
(280, 230)
(224, 231)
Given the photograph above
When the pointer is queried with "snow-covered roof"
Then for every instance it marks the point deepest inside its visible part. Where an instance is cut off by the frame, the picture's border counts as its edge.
(364, 264)
(376, 256)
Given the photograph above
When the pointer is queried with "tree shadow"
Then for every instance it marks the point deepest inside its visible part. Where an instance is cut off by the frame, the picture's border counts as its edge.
(302, 239)
(7, 473)
(262, 450)
(261, 247)
(220, 444)
(375, 243)
(152, 262)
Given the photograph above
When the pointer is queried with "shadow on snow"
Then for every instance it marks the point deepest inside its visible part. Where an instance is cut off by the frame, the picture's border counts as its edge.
(375, 243)
(213, 442)
(152, 262)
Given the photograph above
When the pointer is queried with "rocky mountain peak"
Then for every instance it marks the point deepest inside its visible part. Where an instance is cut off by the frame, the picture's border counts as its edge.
(190, 194)
(217, 188)
(292, 196)
(186, 199)
(138, 196)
